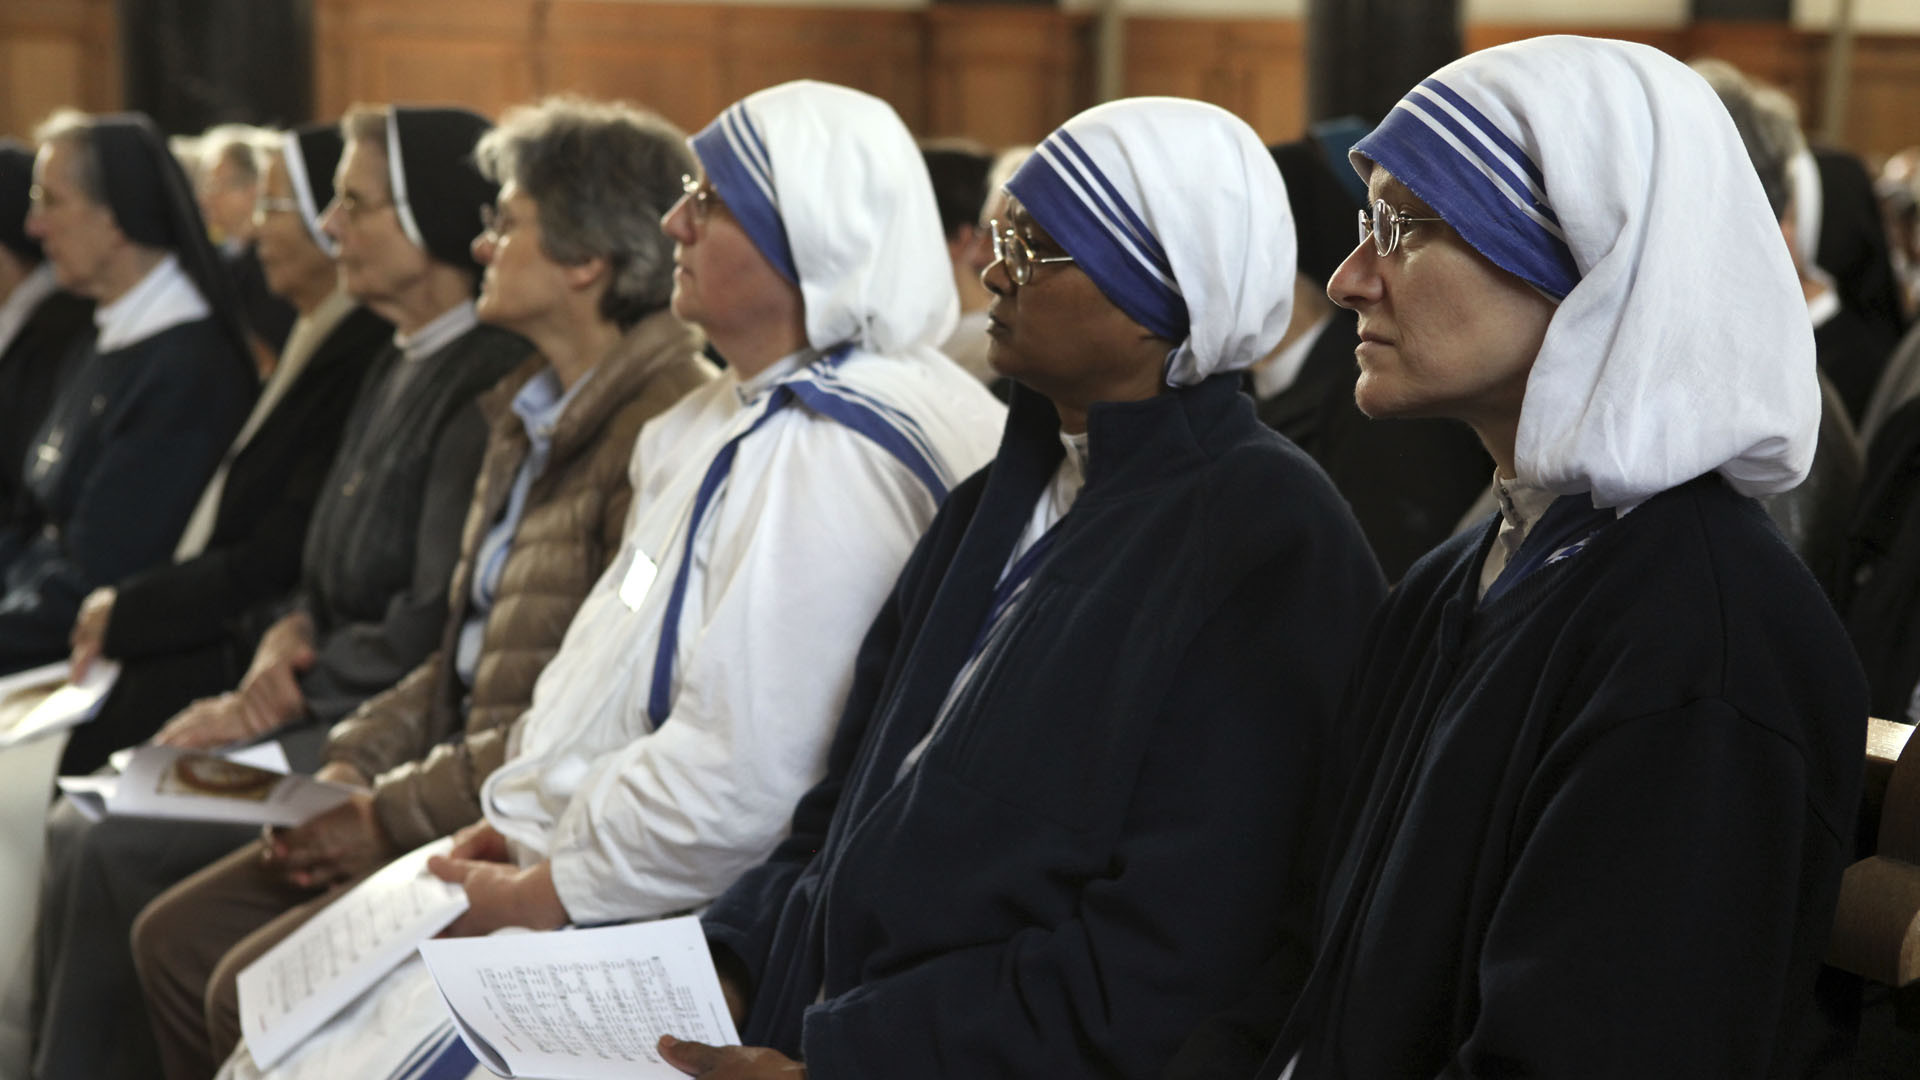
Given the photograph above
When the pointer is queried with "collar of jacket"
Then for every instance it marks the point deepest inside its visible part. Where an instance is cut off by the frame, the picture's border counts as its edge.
(652, 345)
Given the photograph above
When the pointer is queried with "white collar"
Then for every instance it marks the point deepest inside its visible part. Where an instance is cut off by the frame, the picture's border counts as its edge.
(21, 303)
(162, 300)
(1277, 372)
(1521, 504)
(439, 333)
(751, 389)
(1823, 307)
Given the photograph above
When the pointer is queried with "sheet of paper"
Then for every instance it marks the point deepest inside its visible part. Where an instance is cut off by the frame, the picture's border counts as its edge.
(165, 782)
(319, 969)
(582, 1004)
(70, 705)
(46, 675)
(89, 794)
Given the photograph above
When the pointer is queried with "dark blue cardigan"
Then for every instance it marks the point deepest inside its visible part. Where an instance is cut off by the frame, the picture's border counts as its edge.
(1106, 837)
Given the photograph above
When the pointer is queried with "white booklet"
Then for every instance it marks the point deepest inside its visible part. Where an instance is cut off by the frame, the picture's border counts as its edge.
(68, 705)
(191, 785)
(89, 794)
(299, 984)
(582, 1004)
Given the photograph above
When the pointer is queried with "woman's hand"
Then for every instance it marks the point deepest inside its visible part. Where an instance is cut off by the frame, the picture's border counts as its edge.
(205, 724)
(729, 1062)
(90, 631)
(342, 843)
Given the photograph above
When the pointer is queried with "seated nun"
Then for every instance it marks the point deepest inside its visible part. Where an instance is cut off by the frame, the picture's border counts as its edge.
(169, 627)
(1408, 481)
(1068, 809)
(695, 692)
(141, 421)
(1609, 743)
(379, 551)
(228, 161)
(42, 326)
(577, 263)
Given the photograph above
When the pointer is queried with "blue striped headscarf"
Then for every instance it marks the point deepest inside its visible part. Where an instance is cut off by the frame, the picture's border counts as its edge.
(1609, 177)
(1175, 210)
(831, 188)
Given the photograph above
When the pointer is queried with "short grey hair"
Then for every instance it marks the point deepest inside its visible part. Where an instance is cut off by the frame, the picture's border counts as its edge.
(1768, 123)
(603, 174)
(75, 129)
(365, 123)
(242, 145)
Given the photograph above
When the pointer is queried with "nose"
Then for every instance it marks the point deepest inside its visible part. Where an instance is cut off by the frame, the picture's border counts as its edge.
(677, 222)
(330, 220)
(995, 277)
(482, 248)
(1357, 281)
(36, 223)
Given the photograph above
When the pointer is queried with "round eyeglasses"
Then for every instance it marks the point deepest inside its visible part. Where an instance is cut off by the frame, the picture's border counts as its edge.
(1385, 224)
(1009, 248)
(698, 192)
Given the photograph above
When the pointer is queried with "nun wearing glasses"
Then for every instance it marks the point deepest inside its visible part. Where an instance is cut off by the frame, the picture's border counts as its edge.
(1612, 738)
(1066, 810)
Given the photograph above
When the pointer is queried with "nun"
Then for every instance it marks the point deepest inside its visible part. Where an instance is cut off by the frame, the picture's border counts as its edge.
(1067, 811)
(1609, 743)
(378, 555)
(141, 421)
(171, 628)
(42, 326)
(1409, 481)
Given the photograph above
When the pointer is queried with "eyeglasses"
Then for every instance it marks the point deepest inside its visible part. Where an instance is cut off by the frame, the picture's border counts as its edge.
(355, 207)
(1009, 248)
(699, 193)
(268, 205)
(494, 225)
(1385, 224)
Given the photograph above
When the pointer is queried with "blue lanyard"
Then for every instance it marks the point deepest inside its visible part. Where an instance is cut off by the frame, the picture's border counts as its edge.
(1011, 587)
(1560, 533)
(890, 430)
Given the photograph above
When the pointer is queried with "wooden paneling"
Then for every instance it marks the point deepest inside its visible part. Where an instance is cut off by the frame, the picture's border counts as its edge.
(55, 53)
(1253, 67)
(1883, 103)
(1006, 75)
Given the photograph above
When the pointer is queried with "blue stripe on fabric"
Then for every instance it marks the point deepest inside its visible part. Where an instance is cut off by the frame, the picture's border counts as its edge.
(1473, 204)
(863, 419)
(424, 1052)
(1132, 223)
(453, 1062)
(900, 419)
(1522, 186)
(1099, 254)
(1500, 138)
(757, 151)
(733, 181)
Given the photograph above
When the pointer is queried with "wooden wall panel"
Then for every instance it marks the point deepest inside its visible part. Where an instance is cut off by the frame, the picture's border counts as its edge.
(1006, 75)
(662, 57)
(1883, 103)
(55, 53)
(1253, 67)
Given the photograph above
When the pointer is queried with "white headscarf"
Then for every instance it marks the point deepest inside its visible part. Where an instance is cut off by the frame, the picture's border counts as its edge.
(1609, 176)
(831, 188)
(1175, 210)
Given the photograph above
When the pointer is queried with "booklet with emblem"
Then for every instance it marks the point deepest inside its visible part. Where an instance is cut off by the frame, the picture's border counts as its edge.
(351, 944)
(192, 785)
(41, 701)
(582, 1004)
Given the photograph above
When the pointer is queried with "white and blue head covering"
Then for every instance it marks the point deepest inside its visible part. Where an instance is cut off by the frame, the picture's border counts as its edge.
(1175, 210)
(1609, 177)
(829, 185)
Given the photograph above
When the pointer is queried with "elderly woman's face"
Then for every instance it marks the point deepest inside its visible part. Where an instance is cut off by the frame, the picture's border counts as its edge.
(293, 264)
(1060, 335)
(1443, 331)
(377, 261)
(721, 281)
(79, 235)
(522, 287)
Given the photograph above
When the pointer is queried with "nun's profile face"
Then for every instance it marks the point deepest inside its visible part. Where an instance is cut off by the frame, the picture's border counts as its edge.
(79, 235)
(293, 264)
(1059, 334)
(1443, 331)
(721, 281)
(377, 262)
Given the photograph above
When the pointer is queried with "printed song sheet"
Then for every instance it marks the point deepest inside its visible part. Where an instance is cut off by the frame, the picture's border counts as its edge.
(68, 705)
(319, 969)
(166, 782)
(582, 1004)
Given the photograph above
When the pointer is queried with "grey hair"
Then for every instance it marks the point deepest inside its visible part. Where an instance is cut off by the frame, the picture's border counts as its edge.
(603, 174)
(241, 145)
(365, 123)
(1768, 123)
(75, 129)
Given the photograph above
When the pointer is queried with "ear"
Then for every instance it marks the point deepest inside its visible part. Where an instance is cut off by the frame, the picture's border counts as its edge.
(587, 273)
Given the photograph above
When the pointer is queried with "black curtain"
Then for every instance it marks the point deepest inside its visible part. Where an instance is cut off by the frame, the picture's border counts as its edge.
(1364, 55)
(191, 64)
(1774, 10)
